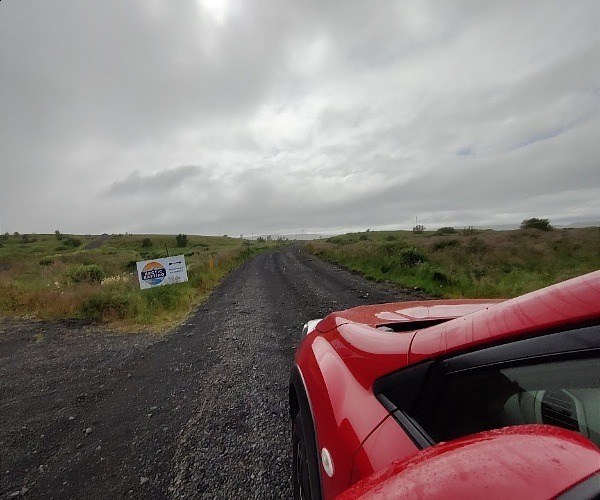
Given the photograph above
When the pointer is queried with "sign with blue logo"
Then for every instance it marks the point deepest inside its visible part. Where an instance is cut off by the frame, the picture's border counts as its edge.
(158, 272)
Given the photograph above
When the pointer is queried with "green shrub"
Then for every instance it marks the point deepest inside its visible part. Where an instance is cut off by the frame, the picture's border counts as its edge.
(46, 261)
(72, 242)
(363, 237)
(386, 267)
(106, 304)
(182, 240)
(260, 239)
(166, 298)
(87, 273)
(535, 223)
(131, 266)
(446, 230)
(391, 249)
(443, 244)
(410, 257)
(441, 278)
(476, 246)
(146, 243)
(391, 237)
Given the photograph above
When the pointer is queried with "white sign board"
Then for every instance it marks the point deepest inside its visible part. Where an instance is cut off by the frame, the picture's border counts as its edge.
(158, 272)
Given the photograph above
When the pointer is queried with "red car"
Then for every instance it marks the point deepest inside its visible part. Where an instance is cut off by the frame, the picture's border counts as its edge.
(444, 397)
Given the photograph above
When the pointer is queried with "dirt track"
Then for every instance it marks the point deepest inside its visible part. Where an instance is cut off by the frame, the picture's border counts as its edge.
(197, 413)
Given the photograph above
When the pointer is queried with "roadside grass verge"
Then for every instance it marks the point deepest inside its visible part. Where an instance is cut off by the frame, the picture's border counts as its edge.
(488, 264)
(44, 279)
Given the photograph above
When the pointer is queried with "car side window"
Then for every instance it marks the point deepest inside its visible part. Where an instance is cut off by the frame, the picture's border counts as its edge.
(563, 393)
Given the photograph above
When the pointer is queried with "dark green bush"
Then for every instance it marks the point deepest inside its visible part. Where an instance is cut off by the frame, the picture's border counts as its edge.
(535, 223)
(46, 261)
(441, 278)
(87, 273)
(164, 297)
(146, 243)
(131, 266)
(410, 257)
(391, 249)
(182, 240)
(476, 246)
(386, 268)
(442, 244)
(446, 230)
(72, 242)
(98, 306)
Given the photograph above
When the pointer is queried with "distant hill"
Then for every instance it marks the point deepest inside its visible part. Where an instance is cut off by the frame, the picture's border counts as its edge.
(579, 224)
(295, 236)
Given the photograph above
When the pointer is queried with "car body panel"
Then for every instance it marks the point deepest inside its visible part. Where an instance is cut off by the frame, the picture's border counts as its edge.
(344, 410)
(533, 461)
(571, 302)
(386, 444)
(343, 357)
(396, 312)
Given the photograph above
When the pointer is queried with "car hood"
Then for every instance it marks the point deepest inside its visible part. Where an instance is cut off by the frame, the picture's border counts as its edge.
(404, 312)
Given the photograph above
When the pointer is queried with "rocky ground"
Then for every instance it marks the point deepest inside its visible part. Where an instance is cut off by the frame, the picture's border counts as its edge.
(200, 412)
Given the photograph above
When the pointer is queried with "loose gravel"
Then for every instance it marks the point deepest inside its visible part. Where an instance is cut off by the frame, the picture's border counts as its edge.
(200, 412)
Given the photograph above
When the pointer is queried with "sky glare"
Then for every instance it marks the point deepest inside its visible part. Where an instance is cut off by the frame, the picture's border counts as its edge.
(240, 116)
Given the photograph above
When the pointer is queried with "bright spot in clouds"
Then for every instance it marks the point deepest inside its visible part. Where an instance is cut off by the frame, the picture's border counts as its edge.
(217, 9)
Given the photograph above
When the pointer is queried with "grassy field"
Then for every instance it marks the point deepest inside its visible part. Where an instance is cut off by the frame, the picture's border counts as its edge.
(42, 276)
(488, 263)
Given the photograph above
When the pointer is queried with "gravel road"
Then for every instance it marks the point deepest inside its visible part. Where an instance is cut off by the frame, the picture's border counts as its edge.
(200, 412)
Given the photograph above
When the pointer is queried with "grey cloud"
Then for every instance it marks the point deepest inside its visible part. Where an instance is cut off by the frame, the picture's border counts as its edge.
(303, 114)
(153, 184)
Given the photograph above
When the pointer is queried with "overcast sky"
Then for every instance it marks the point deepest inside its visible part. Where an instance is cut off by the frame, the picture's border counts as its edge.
(240, 116)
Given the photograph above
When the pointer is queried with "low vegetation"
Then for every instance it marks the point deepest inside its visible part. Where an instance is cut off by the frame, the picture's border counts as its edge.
(55, 277)
(468, 263)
